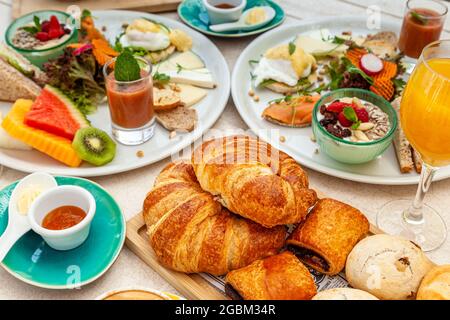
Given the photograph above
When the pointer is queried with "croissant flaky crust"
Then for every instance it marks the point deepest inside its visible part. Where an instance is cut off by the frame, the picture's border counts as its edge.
(280, 277)
(191, 232)
(329, 233)
(254, 180)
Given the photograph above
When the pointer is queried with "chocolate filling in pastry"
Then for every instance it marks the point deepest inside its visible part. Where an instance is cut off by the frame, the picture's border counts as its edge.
(232, 293)
(311, 257)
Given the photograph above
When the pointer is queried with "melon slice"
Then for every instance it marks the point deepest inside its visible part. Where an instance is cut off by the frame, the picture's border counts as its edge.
(55, 146)
(54, 112)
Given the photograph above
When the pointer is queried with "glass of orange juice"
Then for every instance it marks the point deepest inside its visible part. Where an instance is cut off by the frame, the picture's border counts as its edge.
(425, 119)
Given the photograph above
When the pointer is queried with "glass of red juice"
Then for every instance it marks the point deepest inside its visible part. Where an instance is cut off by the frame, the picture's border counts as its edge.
(422, 24)
(131, 104)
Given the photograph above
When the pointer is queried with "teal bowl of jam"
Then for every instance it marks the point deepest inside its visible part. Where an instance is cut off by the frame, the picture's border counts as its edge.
(353, 125)
(41, 35)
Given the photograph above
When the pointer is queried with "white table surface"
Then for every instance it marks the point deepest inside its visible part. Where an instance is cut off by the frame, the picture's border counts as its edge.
(129, 189)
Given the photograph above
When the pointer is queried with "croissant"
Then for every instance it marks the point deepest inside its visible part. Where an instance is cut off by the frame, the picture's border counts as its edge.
(254, 180)
(191, 232)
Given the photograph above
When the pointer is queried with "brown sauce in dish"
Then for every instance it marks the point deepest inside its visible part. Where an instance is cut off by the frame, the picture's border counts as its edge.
(224, 6)
(420, 27)
(134, 295)
(310, 257)
(63, 217)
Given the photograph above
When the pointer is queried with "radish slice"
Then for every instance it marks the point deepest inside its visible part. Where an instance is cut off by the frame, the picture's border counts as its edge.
(371, 64)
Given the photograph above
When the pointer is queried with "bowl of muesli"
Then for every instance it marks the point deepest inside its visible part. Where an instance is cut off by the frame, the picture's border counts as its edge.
(41, 35)
(353, 125)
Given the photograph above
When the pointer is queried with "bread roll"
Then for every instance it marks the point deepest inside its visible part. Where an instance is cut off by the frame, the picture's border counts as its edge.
(388, 267)
(344, 294)
(436, 284)
(254, 180)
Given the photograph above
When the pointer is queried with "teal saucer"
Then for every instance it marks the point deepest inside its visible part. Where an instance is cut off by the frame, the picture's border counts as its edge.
(34, 262)
(194, 14)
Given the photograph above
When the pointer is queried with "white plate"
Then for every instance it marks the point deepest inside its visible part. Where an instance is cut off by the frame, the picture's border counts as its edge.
(160, 146)
(298, 144)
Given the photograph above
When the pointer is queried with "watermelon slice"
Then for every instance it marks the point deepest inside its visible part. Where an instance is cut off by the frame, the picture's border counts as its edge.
(55, 113)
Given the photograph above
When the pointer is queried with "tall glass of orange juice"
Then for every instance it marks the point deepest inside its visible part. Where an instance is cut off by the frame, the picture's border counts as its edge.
(425, 119)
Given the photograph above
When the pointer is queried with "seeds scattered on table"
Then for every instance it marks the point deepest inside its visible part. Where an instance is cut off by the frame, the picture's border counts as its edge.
(140, 154)
(282, 138)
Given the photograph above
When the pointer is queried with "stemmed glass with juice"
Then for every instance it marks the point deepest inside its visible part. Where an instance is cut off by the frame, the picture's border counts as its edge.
(425, 119)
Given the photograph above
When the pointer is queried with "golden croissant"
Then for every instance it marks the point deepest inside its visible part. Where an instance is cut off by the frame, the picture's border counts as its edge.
(254, 180)
(191, 232)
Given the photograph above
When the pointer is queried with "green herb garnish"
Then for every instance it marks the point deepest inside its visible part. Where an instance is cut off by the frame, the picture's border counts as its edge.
(369, 79)
(283, 99)
(292, 48)
(251, 62)
(350, 114)
(161, 78)
(180, 68)
(126, 67)
(85, 13)
(419, 18)
(34, 29)
(338, 40)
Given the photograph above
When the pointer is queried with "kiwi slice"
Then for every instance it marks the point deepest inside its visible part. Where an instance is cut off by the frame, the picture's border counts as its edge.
(94, 146)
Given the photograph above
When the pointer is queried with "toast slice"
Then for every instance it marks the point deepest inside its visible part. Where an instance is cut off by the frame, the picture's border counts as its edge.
(14, 85)
(417, 160)
(158, 56)
(383, 44)
(165, 98)
(283, 88)
(403, 149)
(179, 119)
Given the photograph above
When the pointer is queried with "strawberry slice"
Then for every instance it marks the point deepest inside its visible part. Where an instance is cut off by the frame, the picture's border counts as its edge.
(337, 106)
(362, 114)
(54, 23)
(42, 36)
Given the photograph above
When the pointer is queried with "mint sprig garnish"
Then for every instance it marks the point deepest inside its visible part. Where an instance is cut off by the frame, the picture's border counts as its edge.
(419, 18)
(126, 67)
(34, 29)
(350, 114)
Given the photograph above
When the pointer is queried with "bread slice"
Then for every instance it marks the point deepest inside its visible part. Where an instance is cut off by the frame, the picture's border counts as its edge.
(157, 56)
(383, 44)
(179, 119)
(417, 160)
(402, 146)
(165, 98)
(14, 85)
(283, 88)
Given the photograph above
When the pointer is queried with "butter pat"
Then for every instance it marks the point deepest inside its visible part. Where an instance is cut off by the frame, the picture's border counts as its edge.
(255, 16)
(27, 197)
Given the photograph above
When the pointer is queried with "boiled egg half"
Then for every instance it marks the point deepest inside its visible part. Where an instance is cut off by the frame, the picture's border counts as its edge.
(148, 35)
(286, 63)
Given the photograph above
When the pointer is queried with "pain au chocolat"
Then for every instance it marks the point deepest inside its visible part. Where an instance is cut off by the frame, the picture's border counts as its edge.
(280, 277)
(324, 240)
(254, 180)
(191, 232)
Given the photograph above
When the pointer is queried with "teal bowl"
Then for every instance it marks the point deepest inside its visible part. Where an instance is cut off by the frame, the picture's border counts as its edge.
(348, 151)
(39, 57)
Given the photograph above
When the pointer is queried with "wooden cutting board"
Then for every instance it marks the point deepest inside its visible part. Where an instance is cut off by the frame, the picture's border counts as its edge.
(191, 286)
(21, 7)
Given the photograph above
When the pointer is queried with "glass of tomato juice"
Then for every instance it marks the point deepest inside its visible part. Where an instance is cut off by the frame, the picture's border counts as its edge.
(422, 24)
(131, 104)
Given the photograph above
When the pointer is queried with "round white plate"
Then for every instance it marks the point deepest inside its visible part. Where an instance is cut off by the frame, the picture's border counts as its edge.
(160, 146)
(298, 144)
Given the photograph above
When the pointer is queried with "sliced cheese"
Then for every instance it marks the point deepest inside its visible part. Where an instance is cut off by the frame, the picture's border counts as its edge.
(191, 95)
(318, 47)
(198, 77)
(186, 60)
